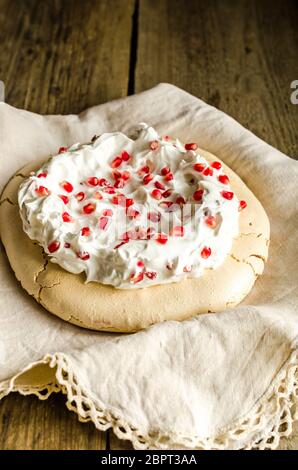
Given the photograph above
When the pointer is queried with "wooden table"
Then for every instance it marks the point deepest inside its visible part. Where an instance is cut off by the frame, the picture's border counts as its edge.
(63, 56)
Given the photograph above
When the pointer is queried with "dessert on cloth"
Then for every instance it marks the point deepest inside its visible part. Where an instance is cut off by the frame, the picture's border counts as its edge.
(224, 380)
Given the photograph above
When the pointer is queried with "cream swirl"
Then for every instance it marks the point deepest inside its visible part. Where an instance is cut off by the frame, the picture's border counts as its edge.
(131, 212)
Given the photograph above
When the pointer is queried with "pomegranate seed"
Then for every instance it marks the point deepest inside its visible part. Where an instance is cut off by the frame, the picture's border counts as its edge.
(167, 193)
(103, 182)
(80, 196)
(126, 175)
(119, 183)
(227, 195)
(85, 231)
(42, 191)
(211, 221)
(119, 199)
(197, 195)
(177, 231)
(165, 170)
(66, 245)
(224, 179)
(68, 187)
(208, 171)
(107, 212)
(151, 274)
(97, 195)
(199, 167)
(169, 176)
(159, 185)
(154, 216)
(191, 146)
(140, 264)
(150, 232)
(89, 208)
(180, 200)
(116, 162)
(166, 137)
(108, 190)
(242, 205)
(103, 221)
(206, 252)
(42, 175)
(92, 181)
(66, 217)
(54, 246)
(65, 199)
(216, 165)
(154, 145)
(132, 213)
(125, 156)
(120, 244)
(62, 150)
(84, 255)
(147, 178)
(129, 202)
(187, 269)
(136, 278)
(156, 194)
(144, 169)
(116, 174)
(161, 238)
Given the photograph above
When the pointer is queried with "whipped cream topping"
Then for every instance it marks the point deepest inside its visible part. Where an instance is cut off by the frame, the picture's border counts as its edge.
(131, 211)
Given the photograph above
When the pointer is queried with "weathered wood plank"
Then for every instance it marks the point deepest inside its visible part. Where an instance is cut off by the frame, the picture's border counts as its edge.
(239, 56)
(28, 423)
(63, 56)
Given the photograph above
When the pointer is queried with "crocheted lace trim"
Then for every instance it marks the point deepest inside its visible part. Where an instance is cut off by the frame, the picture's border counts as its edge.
(270, 419)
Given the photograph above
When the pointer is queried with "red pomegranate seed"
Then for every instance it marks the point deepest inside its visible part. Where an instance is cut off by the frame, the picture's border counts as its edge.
(191, 146)
(107, 212)
(242, 205)
(161, 238)
(103, 221)
(199, 167)
(62, 150)
(154, 216)
(65, 199)
(151, 274)
(206, 252)
(177, 231)
(42, 175)
(208, 171)
(167, 193)
(129, 202)
(126, 175)
(92, 181)
(42, 191)
(144, 169)
(83, 255)
(116, 162)
(119, 183)
(116, 174)
(140, 264)
(89, 208)
(165, 170)
(53, 246)
(68, 187)
(97, 195)
(108, 190)
(216, 165)
(147, 178)
(85, 231)
(180, 200)
(156, 194)
(159, 185)
(154, 145)
(132, 213)
(227, 195)
(224, 179)
(166, 137)
(66, 245)
(169, 176)
(150, 232)
(187, 269)
(211, 221)
(66, 217)
(125, 156)
(103, 182)
(80, 196)
(136, 278)
(197, 195)
(119, 199)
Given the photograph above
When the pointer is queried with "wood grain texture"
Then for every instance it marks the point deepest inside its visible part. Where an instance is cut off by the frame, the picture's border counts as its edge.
(239, 56)
(64, 56)
(61, 56)
(29, 423)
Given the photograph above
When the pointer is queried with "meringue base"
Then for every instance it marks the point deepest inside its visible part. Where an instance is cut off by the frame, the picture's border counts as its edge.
(101, 307)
